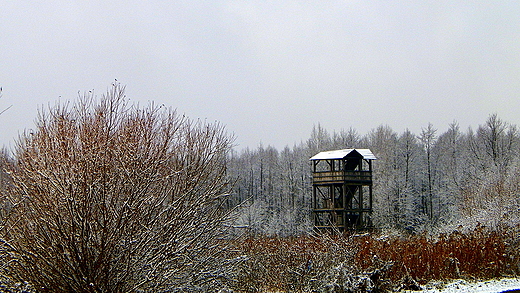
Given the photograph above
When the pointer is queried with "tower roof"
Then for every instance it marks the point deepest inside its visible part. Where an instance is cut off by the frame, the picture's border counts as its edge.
(341, 154)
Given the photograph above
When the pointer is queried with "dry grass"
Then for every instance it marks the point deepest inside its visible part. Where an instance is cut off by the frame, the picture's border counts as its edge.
(479, 254)
(294, 264)
(373, 261)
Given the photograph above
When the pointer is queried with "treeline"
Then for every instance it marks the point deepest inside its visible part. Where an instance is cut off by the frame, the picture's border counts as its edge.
(422, 181)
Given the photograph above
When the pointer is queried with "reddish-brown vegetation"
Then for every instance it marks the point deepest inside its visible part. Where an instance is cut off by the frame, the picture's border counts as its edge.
(354, 262)
(480, 254)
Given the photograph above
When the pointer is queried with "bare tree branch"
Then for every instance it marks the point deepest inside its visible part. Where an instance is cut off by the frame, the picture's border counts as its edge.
(114, 198)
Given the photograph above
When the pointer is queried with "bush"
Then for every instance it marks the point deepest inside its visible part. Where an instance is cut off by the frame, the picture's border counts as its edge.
(111, 197)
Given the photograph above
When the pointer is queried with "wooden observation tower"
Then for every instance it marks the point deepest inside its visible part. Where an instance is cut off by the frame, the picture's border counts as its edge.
(342, 189)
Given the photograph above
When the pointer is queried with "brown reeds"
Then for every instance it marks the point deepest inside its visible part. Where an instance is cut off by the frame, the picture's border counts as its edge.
(479, 254)
(306, 263)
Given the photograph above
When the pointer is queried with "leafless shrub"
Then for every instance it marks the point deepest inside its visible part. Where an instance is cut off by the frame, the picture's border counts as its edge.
(110, 197)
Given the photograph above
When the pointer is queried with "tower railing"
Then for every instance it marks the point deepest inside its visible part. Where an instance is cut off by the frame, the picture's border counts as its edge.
(331, 177)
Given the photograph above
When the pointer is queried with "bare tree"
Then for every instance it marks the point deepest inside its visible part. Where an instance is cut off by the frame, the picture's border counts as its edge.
(110, 197)
(345, 139)
(428, 138)
(450, 169)
(383, 141)
(320, 140)
(408, 167)
(498, 141)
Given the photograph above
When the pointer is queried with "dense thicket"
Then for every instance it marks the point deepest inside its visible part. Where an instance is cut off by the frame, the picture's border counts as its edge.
(374, 262)
(422, 181)
(103, 196)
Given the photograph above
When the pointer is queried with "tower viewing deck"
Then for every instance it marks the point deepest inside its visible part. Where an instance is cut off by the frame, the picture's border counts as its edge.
(342, 189)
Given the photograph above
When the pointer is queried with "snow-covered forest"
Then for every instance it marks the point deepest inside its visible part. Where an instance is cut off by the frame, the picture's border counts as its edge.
(423, 181)
(105, 196)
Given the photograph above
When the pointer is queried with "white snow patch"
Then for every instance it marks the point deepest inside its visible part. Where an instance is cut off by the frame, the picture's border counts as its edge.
(491, 286)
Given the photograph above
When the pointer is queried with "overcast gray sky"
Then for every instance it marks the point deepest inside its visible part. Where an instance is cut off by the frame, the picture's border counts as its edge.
(269, 70)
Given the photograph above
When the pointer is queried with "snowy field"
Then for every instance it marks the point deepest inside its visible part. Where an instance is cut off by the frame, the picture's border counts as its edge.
(491, 286)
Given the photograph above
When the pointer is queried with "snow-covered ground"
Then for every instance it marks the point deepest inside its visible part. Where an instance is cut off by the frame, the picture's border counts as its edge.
(491, 286)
